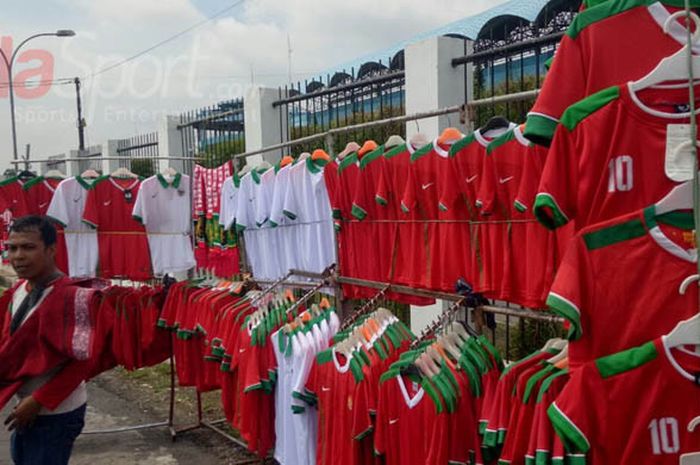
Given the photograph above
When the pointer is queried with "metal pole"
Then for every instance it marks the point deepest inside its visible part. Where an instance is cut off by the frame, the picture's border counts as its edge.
(81, 123)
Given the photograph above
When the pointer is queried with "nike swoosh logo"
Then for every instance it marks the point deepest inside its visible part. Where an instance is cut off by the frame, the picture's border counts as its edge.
(107, 203)
(395, 420)
(240, 351)
(426, 186)
(472, 179)
(505, 180)
(42, 205)
(325, 389)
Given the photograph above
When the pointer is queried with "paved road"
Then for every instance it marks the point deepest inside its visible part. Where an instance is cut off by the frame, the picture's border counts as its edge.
(149, 447)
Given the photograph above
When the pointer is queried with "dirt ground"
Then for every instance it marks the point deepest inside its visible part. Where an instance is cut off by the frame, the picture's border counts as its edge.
(117, 399)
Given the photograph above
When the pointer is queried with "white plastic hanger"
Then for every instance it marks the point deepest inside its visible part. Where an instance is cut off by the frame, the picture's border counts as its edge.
(169, 173)
(680, 198)
(54, 174)
(92, 174)
(123, 172)
(674, 67)
(686, 333)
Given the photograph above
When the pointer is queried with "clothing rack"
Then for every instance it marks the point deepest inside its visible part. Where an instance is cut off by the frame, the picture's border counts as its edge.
(442, 319)
(367, 307)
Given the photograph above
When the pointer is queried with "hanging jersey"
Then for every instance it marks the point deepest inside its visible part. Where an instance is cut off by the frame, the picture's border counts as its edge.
(66, 207)
(591, 56)
(660, 426)
(162, 207)
(613, 150)
(229, 201)
(38, 194)
(613, 304)
(122, 240)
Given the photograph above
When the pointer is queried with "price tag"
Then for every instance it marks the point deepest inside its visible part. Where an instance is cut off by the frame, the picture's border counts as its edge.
(679, 156)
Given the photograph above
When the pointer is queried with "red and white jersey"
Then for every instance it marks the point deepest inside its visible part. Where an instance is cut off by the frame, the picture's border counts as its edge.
(39, 192)
(162, 206)
(123, 244)
(641, 406)
(593, 56)
(608, 156)
(618, 283)
(67, 207)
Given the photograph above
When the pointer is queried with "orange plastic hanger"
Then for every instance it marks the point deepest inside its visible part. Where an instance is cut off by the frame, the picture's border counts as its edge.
(320, 154)
(450, 136)
(442, 352)
(324, 303)
(367, 147)
(286, 160)
(289, 295)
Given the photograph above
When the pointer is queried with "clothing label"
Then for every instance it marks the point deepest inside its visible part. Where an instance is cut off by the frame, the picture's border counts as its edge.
(689, 238)
(679, 154)
(415, 387)
(690, 459)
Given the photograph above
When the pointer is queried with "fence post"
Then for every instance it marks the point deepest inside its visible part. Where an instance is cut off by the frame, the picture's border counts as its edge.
(111, 151)
(432, 83)
(263, 125)
(170, 144)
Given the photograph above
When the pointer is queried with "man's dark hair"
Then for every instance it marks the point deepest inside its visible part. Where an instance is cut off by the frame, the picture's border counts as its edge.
(40, 224)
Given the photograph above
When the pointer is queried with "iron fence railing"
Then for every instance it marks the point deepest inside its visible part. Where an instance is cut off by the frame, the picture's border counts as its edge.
(139, 154)
(375, 92)
(215, 133)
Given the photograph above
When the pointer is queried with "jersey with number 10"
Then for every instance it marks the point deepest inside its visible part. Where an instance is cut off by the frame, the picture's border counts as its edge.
(641, 406)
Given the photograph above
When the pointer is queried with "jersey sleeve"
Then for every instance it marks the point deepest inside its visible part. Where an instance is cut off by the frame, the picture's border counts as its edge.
(364, 195)
(573, 289)
(242, 215)
(312, 384)
(579, 424)
(533, 164)
(488, 189)
(58, 209)
(564, 85)
(450, 188)
(361, 422)
(381, 421)
(91, 215)
(139, 211)
(409, 199)
(290, 204)
(555, 203)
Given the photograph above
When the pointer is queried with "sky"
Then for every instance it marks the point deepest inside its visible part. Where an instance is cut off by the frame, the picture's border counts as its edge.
(247, 45)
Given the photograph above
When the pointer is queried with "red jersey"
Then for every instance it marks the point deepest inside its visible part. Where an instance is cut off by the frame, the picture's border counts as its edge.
(336, 384)
(38, 194)
(123, 243)
(612, 150)
(591, 56)
(618, 283)
(521, 250)
(641, 406)
(541, 447)
(459, 187)
(436, 252)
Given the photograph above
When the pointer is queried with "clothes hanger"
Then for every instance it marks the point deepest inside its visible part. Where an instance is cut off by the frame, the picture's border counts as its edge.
(90, 174)
(304, 156)
(679, 198)
(394, 141)
(169, 173)
(686, 333)
(320, 154)
(123, 172)
(26, 175)
(495, 127)
(55, 174)
(560, 356)
(245, 170)
(674, 67)
(349, 148)
(418, 140)
(367, 147)
(286, 160)
(449, 136)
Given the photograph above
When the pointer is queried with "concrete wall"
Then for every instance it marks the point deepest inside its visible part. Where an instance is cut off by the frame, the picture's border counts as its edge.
(263, 127)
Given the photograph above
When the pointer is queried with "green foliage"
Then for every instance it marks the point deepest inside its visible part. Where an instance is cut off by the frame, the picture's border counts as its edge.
(515, 111)
(219, 153)
(144, 167)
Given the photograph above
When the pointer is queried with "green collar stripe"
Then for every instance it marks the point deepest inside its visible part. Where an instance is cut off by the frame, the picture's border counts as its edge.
(460, 144)
(396, 151)
(540, 128)
(370, 157)
(347, 161)
(175, 182)
(32, 182)
(421, 152)
(500, 140)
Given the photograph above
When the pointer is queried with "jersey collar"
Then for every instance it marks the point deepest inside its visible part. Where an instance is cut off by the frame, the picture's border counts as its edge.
(651, 222)
(124, 189)
(164, 182)
(85, 184)
(411, 402)
(674, 363)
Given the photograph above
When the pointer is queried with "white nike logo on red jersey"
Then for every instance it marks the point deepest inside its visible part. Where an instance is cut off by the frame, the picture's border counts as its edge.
(107, 203)
(472, 179)
(325, 389)
(505, 180)
(395, 420)
(426, 186)
(42, 205)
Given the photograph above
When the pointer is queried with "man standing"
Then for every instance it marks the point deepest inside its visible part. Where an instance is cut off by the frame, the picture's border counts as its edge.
(46, 333)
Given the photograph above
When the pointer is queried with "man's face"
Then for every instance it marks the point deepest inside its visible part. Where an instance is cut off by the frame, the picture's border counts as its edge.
(28, 255)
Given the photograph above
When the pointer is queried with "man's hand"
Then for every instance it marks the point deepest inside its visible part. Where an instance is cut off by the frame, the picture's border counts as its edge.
(24, 414)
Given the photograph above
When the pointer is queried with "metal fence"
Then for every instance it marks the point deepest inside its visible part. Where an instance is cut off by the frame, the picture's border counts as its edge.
(139, 154)
(375, 91)
(511, 55)
(214, 133)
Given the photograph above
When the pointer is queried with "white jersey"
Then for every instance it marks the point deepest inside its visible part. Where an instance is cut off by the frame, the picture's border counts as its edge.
(67, 206)
(286, 441)
(286, 234)
(245, 223)
(163, 208)
(229, 202)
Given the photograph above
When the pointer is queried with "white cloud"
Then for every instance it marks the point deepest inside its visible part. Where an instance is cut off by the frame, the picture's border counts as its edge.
(212, 63)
